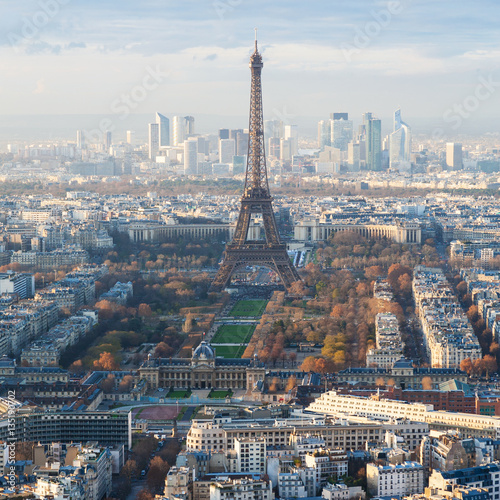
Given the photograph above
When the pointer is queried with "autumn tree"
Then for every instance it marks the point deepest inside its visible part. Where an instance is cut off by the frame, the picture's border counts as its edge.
(163, 350)
(490, 364)
(106, 362)
(309, 364)
(473, 313)
(158, 470)
(144, 494)
(108, 384)
(292, 382)
(144, 311)
(126, 384)
(76, 367)
(129, 469)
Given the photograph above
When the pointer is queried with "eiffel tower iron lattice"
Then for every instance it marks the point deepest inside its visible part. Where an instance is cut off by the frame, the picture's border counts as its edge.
(256, 199)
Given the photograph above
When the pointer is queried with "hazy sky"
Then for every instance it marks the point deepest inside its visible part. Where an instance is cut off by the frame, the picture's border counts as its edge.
(191, 56)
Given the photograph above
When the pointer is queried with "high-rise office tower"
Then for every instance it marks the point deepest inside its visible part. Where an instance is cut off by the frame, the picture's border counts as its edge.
(234, 133)
(164, 128)
(179, 130)
(353, 155)
(108, 140)
(362, 128)
(183, 127)
(400, 143)
(341, 132)
(227, 150)
(292, 133)
(130, 136)
(286, 149)
(154, 140)
(223, 133)
(374, 144)
(189, 121)
(242, 143)
(191, 156)
(80, 139)
(324, 134)
(339, 116)
(454, 156)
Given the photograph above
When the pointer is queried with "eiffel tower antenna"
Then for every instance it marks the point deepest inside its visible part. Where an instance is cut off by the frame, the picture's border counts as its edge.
(256, 199)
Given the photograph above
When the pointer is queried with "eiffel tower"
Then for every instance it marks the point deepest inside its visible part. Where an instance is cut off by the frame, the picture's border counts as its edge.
(256, 199)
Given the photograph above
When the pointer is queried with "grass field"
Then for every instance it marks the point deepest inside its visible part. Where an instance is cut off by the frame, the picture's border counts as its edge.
(179, 394)
(248, 308)
(220, 394)
(230, 351)
(233, 334)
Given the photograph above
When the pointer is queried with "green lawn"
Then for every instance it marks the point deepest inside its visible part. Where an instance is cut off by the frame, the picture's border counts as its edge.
(179, 394)
(229, 351)
(220, 394)
(248, 308)
(233, 334)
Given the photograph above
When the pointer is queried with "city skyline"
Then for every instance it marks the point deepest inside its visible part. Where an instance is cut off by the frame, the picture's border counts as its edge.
(379, 56)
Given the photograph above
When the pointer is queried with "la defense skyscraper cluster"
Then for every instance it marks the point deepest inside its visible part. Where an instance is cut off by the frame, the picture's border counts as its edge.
(242, 251)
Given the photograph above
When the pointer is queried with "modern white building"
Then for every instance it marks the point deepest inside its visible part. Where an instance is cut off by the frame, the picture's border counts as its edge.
(290, 485)
(22, 284)
(191, 156)
(251, 455)
(400, 144)
(163, 130)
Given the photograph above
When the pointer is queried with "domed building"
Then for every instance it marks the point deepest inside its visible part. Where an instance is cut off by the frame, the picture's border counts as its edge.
(203, 371)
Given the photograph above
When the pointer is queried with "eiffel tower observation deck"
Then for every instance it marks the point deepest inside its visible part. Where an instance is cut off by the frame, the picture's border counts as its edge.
(256, 200)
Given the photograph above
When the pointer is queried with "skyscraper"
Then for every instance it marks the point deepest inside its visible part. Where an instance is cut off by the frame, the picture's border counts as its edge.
(292, 133)
(108, 140)
(324, 133)
(339, 116)
(179, 130)
(454, 157)
(191, 156)
(223, 133)
(400, 143)
(183, 128)
(189, 121)
(164, 130)
(341, 132)
(373, 144)
(227, 150)
(154, 140)
(80, 139)
(242, 143)
(130, 136)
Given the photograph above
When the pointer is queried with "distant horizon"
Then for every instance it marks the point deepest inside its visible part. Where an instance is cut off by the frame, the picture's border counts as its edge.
(51, 127)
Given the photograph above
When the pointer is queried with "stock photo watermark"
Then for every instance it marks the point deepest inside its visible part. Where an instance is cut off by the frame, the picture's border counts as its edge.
(223, 7)
(33, 24)
(456, 114)
(123, 105)
(364, 35)
(11, 439)
(283, 115)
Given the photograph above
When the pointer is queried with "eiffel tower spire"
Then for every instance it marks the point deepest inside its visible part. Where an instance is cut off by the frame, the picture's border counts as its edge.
(256, 199)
